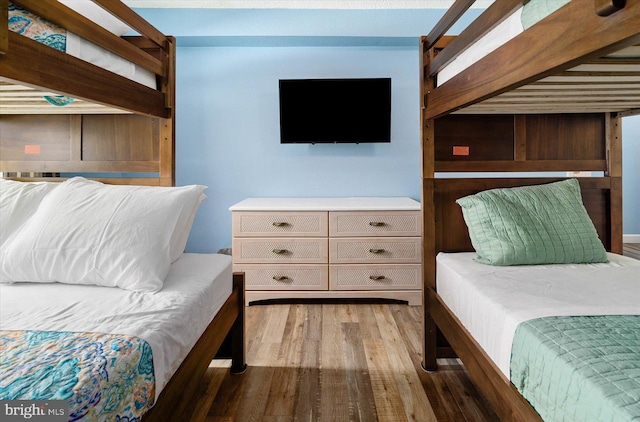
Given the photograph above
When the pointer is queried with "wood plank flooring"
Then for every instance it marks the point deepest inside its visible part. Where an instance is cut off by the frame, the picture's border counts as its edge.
(340, 362)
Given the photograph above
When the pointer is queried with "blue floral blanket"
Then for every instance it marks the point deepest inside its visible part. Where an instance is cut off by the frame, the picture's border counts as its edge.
(105, 377)
(26, 23)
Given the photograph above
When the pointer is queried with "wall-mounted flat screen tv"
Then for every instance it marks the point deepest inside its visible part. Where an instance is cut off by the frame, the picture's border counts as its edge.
(320, 111)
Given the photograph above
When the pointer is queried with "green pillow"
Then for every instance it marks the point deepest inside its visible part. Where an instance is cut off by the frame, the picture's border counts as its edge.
(543, 224)
(536, 10)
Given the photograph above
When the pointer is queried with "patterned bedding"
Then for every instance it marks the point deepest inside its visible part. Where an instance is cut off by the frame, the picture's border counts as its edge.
(579, 368)
(105, 377)
(25, 23)
(31, 26)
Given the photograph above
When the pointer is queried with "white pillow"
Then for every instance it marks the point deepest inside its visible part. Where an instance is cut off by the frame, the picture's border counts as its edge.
(18, 201)
(89, 233)
(183, 228)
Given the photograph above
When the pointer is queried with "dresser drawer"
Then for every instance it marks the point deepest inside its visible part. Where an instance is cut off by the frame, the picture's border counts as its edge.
(375, 277)
(284, 277)
(390, 250)
(265, 251)
(374, 223)
(279, 224)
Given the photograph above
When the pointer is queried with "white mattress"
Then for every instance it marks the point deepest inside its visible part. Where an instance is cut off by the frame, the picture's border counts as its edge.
(498, 36)
(491, 301)
(171, 320)
(89, 52)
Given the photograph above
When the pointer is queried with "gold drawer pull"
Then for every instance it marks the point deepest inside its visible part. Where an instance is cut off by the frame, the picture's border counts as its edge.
(376, 250)
(281, 278)
(377, 277)
(377, 223)
(280, 223)
(280, 251)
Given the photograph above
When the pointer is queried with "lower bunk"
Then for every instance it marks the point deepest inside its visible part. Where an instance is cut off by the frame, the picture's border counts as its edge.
(100, 310)
(545, 342)
(115, 354)
(545, 320)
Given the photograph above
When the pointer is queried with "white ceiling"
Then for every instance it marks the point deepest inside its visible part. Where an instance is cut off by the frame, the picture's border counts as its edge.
(300, 4)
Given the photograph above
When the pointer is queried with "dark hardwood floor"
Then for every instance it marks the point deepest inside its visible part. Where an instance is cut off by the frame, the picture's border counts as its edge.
(340, 362)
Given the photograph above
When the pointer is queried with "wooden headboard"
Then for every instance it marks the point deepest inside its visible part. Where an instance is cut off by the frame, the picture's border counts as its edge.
(474, 144)
(113, 148)
(517, 143)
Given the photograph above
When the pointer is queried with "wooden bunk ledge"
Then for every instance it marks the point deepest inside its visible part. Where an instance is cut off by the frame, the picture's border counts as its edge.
(4, 29)
(551, 46)
(30, 63)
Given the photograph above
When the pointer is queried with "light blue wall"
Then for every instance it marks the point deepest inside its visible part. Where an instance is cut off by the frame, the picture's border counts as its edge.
(229, 139)
(228, 66)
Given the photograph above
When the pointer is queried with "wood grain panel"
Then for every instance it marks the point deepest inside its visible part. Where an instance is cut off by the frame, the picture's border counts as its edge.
(120, 138)
(565, 137)
(35, 138)
(486, 137)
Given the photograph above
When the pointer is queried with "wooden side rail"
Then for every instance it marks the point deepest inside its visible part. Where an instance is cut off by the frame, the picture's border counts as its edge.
(450, 17)
(4, 26)
(76, 78)
(131, 18)
(526, 58)
(61, 15)
(489, 19)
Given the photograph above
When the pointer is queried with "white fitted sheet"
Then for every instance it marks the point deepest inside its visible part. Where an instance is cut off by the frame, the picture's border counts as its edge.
(89, 52)
(493, 39)
(171, 320)
(491, 301)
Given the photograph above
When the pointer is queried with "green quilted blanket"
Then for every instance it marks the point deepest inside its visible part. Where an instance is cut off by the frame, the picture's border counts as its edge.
(579, 368)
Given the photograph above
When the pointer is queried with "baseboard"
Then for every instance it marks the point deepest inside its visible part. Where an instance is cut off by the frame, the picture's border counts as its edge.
(631, 238)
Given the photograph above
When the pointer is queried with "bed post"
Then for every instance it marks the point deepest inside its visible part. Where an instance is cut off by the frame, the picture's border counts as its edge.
(613, 134)
(429, 349)
(238, 352)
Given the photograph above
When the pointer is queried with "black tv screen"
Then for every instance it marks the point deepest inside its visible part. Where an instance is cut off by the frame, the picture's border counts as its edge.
(319, 111)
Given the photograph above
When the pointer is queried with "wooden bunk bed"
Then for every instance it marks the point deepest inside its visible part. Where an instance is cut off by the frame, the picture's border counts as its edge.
(550, 99)
(122, 132)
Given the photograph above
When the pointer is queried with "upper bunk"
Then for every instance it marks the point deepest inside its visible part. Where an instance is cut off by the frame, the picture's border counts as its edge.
(522, 57)
(95, 64)
(110, 103)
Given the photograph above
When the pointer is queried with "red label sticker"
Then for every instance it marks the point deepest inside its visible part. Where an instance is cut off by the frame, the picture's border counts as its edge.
(459, 150)
(32, 149)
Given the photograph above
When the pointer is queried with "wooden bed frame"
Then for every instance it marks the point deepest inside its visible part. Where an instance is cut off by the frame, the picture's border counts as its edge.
(480, 121)
(27, 62)
(137, 148)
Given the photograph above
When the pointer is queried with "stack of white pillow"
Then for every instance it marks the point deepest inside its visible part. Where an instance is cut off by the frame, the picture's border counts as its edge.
(84, 232)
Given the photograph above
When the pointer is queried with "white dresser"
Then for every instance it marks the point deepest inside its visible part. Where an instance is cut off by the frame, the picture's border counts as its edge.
(310, 248)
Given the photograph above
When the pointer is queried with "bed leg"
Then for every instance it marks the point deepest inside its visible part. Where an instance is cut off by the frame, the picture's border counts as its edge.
(430, 346)
(238, 353)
